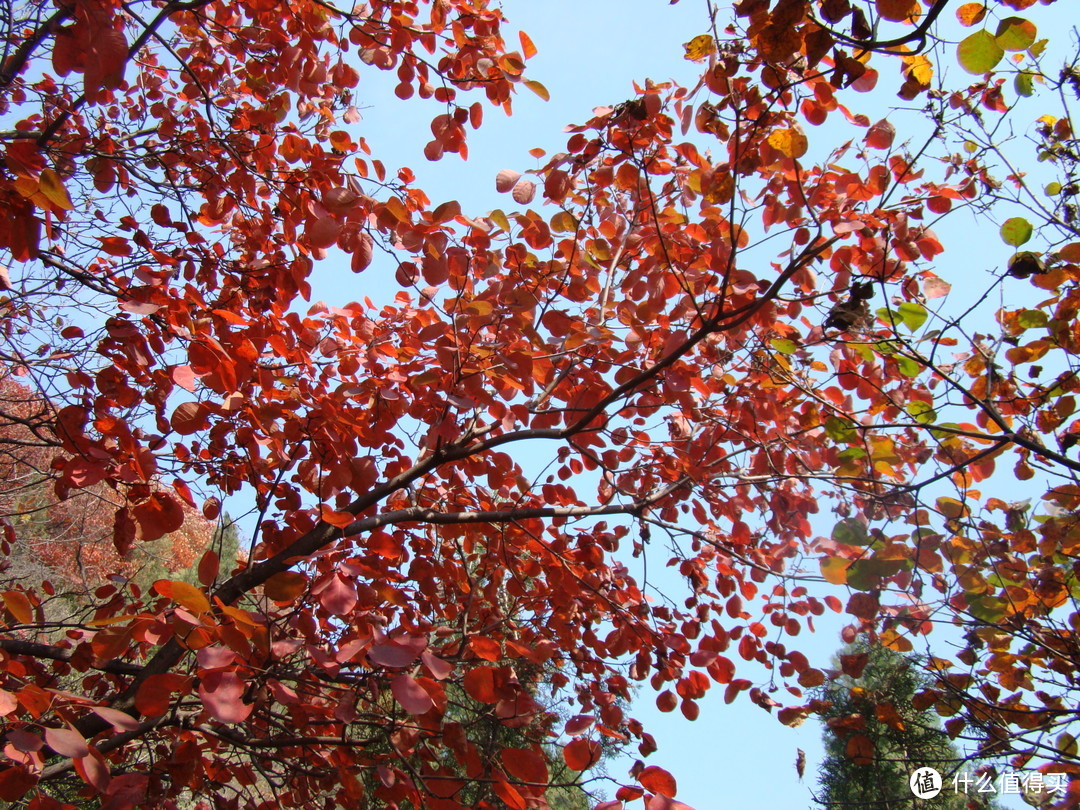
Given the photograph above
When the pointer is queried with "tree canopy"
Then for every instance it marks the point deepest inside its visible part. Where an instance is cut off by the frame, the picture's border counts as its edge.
(723, 308)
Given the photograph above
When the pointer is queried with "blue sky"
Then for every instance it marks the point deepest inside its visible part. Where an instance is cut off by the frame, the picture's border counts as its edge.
(733, 756)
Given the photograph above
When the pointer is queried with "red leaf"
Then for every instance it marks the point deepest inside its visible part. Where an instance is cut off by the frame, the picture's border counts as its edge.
(15, 782)
(155, 693)
(581, 754)
(664, 803)
(439, 669)
(391, 654)
(410, 694)
(656, 780)
(880, 135)
(667, 701)
(189, 417)
(505, 180)
(322, 232)
(362, 253)
(479, 684)
(66, 742)
(121, 721)
(208, 567)
(485, 648)
(526, 765)
(337, 595)
(221, 693)
(524, 192)
(157, 516)
(93, 770)
(115, 245)
(578, 723)
(509, 795)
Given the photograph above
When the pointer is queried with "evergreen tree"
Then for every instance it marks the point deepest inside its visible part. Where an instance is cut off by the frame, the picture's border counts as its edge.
(875, 738)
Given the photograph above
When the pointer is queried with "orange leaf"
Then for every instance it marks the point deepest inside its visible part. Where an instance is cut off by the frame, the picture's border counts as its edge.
(527, 46)
(183, 594)
(860, 750)
(971, 13)
(19, 605)
(656, 780)
(285, 586)
(887, 714)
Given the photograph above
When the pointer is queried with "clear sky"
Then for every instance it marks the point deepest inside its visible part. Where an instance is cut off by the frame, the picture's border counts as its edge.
(590, 52)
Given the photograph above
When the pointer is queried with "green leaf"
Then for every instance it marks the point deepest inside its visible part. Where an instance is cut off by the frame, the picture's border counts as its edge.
(979, 53)
(784, 346)
(1016, 231)
(1066, 744)
(1024, 84)
(921, 412)
(989, 609)
(851, 532)
(850, 454)
(913, 315)
(1032, 318)
(839, 430)
(1016, 34)
(1037, 49)
(909, 366)
(1053, 189)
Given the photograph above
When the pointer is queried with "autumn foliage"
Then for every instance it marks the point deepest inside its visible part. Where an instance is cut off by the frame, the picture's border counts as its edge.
(713, 319)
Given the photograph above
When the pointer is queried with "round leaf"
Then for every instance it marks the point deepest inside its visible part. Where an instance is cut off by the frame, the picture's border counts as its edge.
(1016, 34)
(789, 142)
(851, 532)
(1016, 231)
(979, 53)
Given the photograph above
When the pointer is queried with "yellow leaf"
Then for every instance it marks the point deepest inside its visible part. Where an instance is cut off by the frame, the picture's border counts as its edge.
(699, 47)
(183, 594)
(538, 88)
(789, 142)
(919, 68)
(50, 185)
(834, 570)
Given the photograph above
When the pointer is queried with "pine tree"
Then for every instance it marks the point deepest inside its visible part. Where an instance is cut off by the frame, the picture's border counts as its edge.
(875, 738)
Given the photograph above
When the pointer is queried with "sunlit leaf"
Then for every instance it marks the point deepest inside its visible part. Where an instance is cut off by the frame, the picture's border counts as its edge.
(789, 142)
(971, 13)
(699, 47)
(1016, 231)
(1016, 34)
(979, 52)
